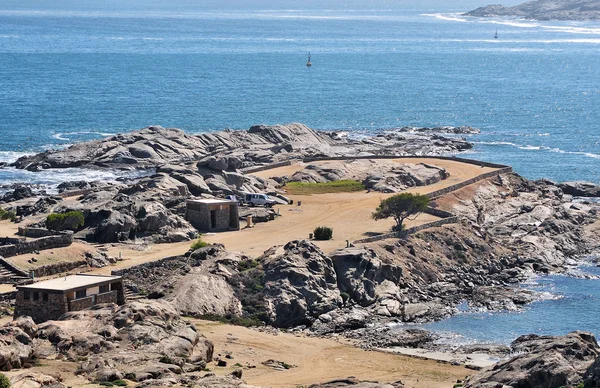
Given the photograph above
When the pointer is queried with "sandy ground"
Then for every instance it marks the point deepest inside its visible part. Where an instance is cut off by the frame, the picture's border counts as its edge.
(319, 360)
(74, 252)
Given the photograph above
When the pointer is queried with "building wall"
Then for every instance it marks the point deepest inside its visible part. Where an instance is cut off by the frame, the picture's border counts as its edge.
(226, 216)
(41, 310)
(60, 303)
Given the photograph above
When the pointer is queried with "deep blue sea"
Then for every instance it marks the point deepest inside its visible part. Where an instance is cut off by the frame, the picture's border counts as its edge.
(69, 75)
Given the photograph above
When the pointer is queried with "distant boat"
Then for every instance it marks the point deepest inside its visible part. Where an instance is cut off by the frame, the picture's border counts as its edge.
(496, 34)
(308, 63)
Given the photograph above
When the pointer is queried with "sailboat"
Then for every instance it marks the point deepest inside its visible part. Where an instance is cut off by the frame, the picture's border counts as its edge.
(308, 63)
(496, 34)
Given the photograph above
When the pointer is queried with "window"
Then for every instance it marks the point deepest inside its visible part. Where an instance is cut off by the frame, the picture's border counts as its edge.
(36, 296)
(104, 289)
(26, 295)
(115, 286)
(80, 294)
(45, 296)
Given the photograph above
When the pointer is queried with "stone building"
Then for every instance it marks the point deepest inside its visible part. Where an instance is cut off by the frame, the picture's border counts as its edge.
(49, 299)
(213, 215)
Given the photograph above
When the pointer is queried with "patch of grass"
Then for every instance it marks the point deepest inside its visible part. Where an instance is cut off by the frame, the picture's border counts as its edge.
(305, 188)
(7, 215)
(233, 320)
(120, 383)
(199, 244)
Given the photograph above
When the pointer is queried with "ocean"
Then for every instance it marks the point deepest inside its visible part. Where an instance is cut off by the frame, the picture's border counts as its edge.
(70, 75)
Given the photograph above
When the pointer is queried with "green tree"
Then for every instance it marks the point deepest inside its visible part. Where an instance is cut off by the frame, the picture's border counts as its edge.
(401, 207)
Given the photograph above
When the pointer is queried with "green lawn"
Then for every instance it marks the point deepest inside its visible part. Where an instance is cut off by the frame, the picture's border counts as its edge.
(345, 186)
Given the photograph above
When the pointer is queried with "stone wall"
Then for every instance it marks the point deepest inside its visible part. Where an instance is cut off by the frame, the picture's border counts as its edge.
(28, 246)
(41, 310)
(449, 189)
(37, 232)
(12, 268)
(82, 303)
(250, 170)
(52, 269)
(199, 215)
(414, 229)
(454, 158)
(107, 297)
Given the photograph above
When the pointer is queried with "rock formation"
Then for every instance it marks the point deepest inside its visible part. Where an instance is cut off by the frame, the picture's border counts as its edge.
(544, 10)
(139, 340)
(545, 361)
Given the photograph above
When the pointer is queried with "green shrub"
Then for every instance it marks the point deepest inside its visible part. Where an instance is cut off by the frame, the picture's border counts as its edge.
(199, 244)
(245, 265)
(7, 215)
(72, 220)
(106, 384)
(4, 381)
(130, 376)
(345, 297)
(323, 233)
(120, 383)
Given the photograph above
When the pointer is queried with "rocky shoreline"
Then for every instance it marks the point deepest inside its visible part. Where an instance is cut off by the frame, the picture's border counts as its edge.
(509, 227)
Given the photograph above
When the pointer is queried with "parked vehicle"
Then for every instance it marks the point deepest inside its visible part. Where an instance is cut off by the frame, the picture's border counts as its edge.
(259, 199)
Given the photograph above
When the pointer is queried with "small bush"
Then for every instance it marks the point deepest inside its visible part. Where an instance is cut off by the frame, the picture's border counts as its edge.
(199, 244)
(4, 381)
(130, 376)
(7, 215)
(245, 265)
(167, 360)
(120, 383)
(106, 384)
(345, 297)
(323, 233)
(72, 220)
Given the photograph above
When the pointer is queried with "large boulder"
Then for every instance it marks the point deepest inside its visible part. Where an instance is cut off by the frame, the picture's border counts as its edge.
(580, 189)
(300, 284)
(542, 361)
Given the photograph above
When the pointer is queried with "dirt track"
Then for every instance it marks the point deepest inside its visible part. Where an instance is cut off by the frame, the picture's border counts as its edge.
(319, 360)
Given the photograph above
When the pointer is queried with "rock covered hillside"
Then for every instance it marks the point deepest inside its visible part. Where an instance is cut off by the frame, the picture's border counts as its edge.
(510, 227)
(544, 10)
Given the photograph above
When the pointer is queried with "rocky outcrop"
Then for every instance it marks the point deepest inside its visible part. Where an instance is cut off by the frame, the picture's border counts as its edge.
(299, 284)
(544, 10)
(544, 361)
(197, 284)
(230, 150)
(35, 380)
(140, 340)
(580, 189)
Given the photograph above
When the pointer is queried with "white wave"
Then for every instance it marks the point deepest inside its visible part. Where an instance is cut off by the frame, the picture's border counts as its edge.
(11, 156)
(454, 17)
(59, 136)
(152, 39)
(52, 177)
(543, 134)
(511, 23)
(573, 30)
(9, 36)
(539, 148)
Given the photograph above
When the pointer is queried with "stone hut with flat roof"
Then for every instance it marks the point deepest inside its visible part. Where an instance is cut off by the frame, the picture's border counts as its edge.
(213, 215)
(49, 299)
